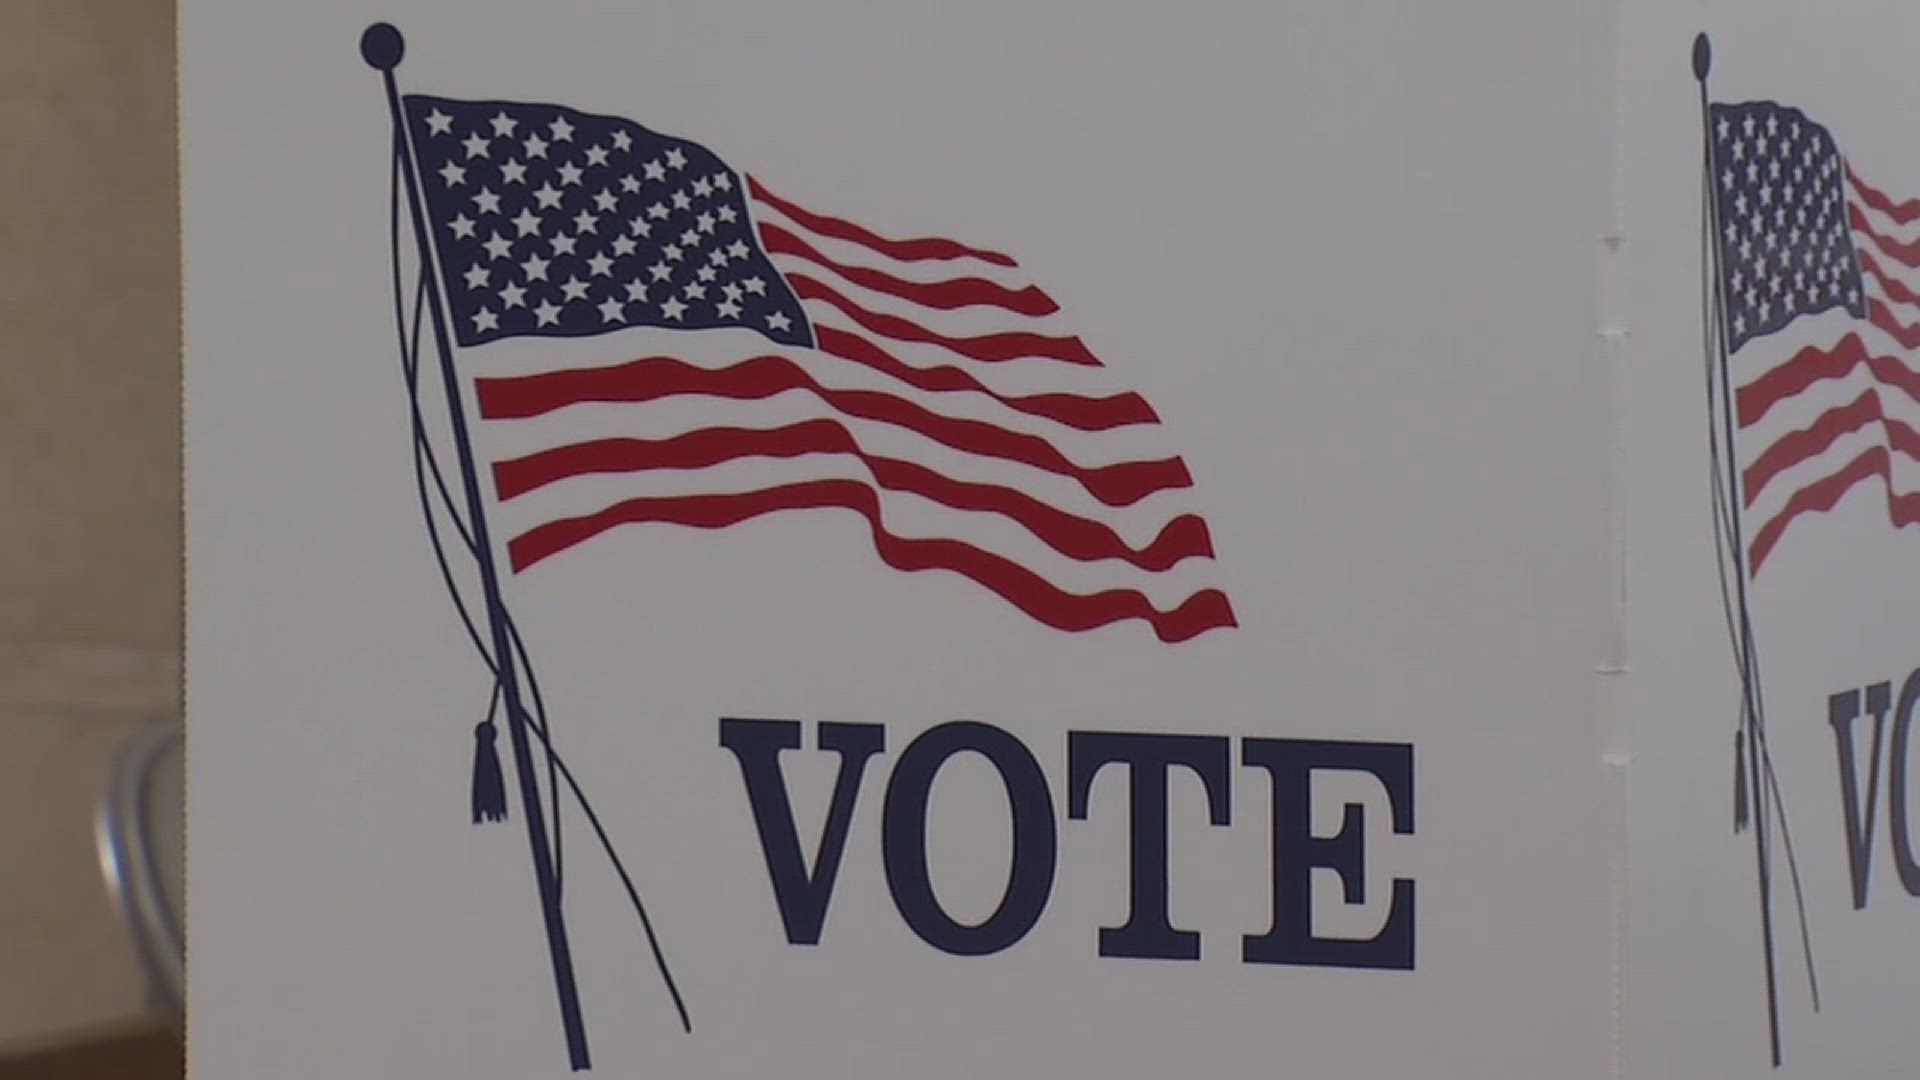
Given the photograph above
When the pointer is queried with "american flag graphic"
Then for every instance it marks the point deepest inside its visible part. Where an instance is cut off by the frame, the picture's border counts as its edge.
(630, 306)
(1819, 287)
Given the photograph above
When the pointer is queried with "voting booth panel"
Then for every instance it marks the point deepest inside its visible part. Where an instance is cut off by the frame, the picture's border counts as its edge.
(1101, 540)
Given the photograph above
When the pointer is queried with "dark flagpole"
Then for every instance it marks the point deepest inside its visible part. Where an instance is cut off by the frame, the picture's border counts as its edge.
(382, 47)
(1755, 744)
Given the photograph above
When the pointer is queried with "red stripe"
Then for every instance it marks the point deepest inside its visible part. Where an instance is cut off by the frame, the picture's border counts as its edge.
(1892, 286)
(904, 250)
(1026, 590)
(657, 377)
(1901, 213)
(1012, 345)
(1903, 252)
(1075, 537)
(1824, 494)
(1810, 365)
(946, 295)
(1882, 316)
(1073, 410)
(1797, 446)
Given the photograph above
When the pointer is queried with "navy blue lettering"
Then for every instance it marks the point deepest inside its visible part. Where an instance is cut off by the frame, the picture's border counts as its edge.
(1290, 764)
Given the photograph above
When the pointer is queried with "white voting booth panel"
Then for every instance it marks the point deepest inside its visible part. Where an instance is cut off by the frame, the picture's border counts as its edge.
(1046, 538)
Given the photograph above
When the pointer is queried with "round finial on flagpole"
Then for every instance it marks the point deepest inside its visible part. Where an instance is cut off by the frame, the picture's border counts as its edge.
(1702, 56)
(382, 46)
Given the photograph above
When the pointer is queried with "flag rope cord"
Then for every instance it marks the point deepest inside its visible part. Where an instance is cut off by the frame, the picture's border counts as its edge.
(1750, 683)
(426, 467)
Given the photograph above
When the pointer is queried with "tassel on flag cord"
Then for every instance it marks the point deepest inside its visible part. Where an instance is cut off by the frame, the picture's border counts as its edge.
(489, 783)
(1740, 798)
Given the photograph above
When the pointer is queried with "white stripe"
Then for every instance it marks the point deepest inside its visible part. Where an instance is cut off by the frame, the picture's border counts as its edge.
(1880, 222)
(904, 515)
(974, 320)
(508, 440)
(849, 253)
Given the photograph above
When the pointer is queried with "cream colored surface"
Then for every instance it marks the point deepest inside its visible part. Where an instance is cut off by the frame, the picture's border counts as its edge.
(89, 477)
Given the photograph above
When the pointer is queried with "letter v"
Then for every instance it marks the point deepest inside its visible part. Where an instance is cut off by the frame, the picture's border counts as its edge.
(801, 896)
(1842, 710)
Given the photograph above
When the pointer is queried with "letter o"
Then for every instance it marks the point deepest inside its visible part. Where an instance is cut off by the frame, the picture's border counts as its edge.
(904, 838)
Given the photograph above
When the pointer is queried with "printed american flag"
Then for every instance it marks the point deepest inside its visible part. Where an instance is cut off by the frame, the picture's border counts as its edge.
(730, 354)
(1820, 287)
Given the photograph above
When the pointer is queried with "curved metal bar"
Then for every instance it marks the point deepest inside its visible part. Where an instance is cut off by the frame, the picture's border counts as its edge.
(123, 833)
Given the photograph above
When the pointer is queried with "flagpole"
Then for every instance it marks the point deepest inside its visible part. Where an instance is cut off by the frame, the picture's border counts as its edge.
(1743, 625)
(382, 46)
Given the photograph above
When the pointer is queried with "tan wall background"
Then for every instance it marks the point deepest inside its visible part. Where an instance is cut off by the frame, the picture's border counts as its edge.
(90, 578)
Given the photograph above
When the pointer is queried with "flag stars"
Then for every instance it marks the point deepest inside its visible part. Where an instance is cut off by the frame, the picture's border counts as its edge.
(439, 123)
(677, 250)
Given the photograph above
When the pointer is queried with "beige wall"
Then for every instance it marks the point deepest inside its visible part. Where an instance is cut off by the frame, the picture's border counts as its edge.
(89, 475)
